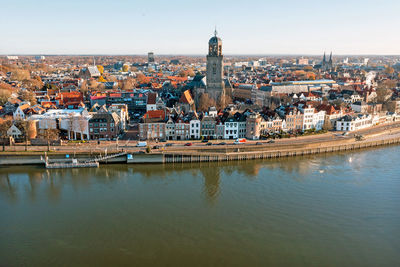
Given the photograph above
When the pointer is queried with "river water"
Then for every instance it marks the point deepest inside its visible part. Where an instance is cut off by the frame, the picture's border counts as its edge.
(325, 210)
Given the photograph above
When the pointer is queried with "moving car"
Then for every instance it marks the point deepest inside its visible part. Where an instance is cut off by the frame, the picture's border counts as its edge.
(141, 144)
(240, 141)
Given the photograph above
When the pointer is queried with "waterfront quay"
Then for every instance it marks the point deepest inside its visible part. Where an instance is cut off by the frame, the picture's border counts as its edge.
(198, 152)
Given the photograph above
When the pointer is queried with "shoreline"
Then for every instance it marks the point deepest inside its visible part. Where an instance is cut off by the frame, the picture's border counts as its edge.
(208, 154)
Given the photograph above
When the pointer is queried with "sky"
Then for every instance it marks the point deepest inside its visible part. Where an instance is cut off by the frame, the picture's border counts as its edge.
(167, 27)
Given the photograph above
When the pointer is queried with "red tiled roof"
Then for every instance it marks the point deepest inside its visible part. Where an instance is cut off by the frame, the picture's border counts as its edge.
(154, 114)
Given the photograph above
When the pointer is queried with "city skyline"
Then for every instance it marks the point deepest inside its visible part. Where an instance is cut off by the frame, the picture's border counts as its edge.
(180, 28)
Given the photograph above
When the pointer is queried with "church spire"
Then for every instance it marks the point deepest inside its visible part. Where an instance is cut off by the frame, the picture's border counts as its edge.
(215, 31)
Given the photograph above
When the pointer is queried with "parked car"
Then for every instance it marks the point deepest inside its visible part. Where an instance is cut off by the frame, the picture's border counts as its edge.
(204, 141)
(188, 144)
(156, 147)
(209, 144)
(259, 143)
(271, 141)
(222, 143)
(169, 144)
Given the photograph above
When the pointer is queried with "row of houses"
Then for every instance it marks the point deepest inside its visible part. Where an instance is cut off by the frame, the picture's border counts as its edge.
(163, 125)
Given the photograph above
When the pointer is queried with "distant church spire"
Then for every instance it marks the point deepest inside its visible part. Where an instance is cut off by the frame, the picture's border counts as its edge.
(215, 31)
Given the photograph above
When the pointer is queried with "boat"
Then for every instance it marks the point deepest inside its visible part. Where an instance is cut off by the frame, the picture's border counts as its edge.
(73, 164)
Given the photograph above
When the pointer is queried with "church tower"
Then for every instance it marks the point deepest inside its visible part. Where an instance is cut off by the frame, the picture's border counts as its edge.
(215, 84)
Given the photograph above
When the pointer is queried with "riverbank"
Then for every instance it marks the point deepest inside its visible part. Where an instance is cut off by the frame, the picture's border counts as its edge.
(211, 153)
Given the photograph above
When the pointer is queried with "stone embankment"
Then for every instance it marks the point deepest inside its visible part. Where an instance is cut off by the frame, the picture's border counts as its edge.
(209, 154)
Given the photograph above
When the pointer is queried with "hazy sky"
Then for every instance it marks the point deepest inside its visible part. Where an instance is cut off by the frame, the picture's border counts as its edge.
(184, 27)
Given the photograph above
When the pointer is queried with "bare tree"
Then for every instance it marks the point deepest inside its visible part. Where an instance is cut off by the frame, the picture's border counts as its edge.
(82, 123)
(50, 135)
(205, 101)
(27, 129)
(4, 126)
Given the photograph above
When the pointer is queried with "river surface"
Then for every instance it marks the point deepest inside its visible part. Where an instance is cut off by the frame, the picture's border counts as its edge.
(325, 210)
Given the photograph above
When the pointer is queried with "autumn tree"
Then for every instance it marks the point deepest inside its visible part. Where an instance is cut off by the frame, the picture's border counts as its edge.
(141, 78)
(308, 68)
(389, 70)
(205, 101)
(101, 87)
(4, 96)
(101, 69)
(92, 84)
(83, 88)
(125, 68)
(310, 76)
(20, 75)
(101, 79)
(26, 95)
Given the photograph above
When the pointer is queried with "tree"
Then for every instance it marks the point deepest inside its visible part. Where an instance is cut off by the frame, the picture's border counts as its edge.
(390, 106)
(310, 76)
(338, 103)
(224, 101)
(125, 68)
(102, 80)
(389, 70)
(92, 84)
(382, 94)
(327, 125)
(82, 124)
(141, 78)
(4, 96)
(4, 126)
(83, 87)
(205, 101)
(101, 69)
(50, 135)
(28, 130)
(308, 68)
(128, 83)
(26, 95)
(20, 75)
